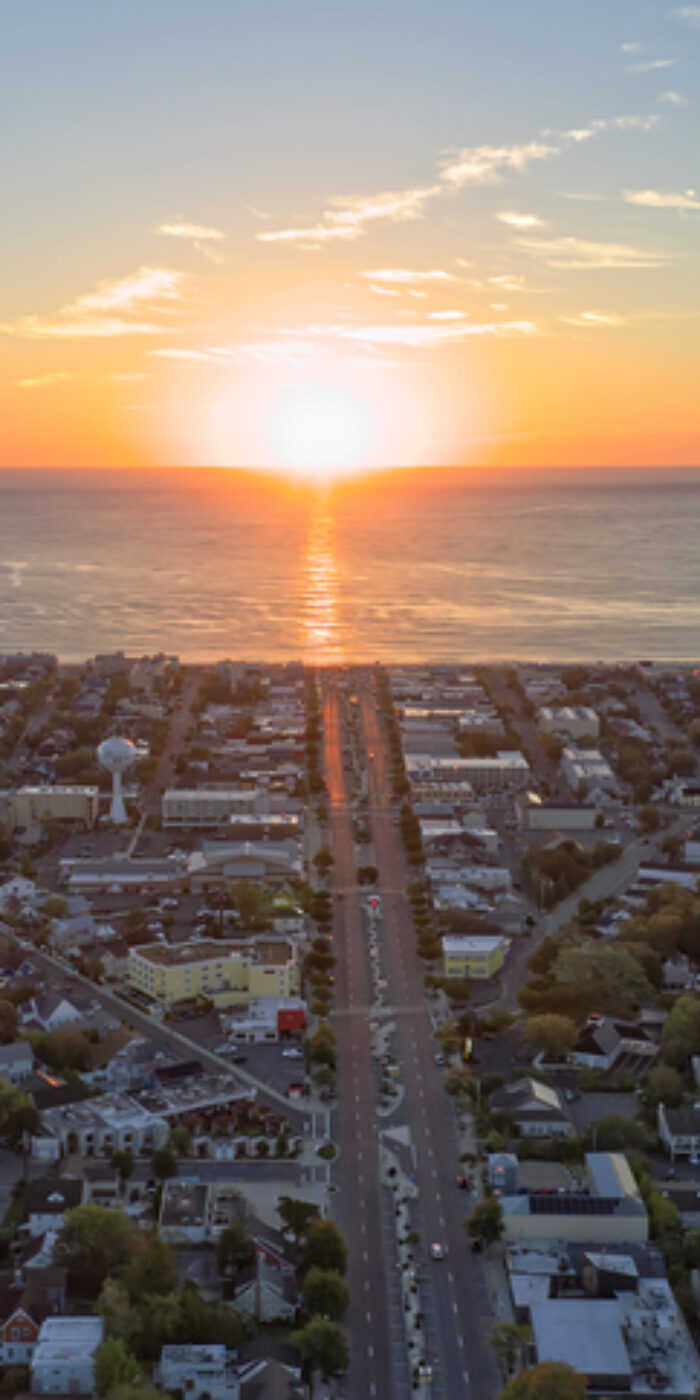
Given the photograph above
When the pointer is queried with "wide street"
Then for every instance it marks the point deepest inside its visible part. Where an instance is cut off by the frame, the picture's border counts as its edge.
(374, 1360)
(453, 1290)
(455, 1294)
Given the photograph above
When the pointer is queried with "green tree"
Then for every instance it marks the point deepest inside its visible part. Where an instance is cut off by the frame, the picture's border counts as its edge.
(114, 1306)
(151, 1269)
(93, 1243)
(648, 819)
(324, 1248)
(616, 1134)
(296, 1216)
(136, 1392)
(551, 1380)
(324, 1347)
(233, 1247)
(325, 1292)
(65, 1050)
(509, 1340)
(485, 1224)
(550, 1035)
(181, 1140)
(123, 1163)
(18, 1114)
(8, 1021)
(114, 1365)
(665, 1085)
(321, 1048)
(55, 907)
(323, 860)
(164, 1163)
(681, 1033)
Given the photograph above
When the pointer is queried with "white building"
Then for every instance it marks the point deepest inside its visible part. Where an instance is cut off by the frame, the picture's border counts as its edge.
(201, 1372)
(64, 1356)
(587, 767)
(570, 722)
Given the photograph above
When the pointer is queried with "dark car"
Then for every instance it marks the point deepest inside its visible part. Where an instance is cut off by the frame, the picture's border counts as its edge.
(463, 1183)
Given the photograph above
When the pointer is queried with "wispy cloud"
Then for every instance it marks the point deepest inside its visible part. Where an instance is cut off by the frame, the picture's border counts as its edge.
(347, 216)
(201, 236)
(421, 336)
(689, 13)
(650, 65)
(447, 315)
(673, 99)
(384, 291)
(408, 276)
(634, 47)
(109, 310)
(483, 165)
(521, 220)
(200, 232)
(291, 349)
(592, 319)
(578, 253)
(44, 381)
(656, 199)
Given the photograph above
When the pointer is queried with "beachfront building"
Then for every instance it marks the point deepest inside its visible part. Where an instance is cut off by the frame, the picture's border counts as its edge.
(226, 974)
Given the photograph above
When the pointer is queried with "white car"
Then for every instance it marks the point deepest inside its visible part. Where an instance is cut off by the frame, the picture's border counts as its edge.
(437, 1250)
(293, 1053)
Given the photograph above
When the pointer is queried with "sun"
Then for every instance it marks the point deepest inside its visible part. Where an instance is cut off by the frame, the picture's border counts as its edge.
(321, 431)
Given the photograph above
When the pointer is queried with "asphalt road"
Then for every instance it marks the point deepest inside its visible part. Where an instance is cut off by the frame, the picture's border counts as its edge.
(454, 1292)
(356, 1174)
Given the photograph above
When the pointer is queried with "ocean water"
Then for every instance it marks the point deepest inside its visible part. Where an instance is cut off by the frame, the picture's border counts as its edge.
(441, 565)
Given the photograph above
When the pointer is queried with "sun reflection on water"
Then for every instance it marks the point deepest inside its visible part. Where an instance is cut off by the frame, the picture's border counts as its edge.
(321, 631)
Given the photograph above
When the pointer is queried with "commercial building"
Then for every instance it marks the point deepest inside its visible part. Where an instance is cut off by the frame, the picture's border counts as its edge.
(226, 974)
(434, 775)
(63, 1362)
(536, 815)
(122, 874)
(635, 1342)
(29, 806)
(274, 862)
(480, 956)
(570, 721)
(606, 1210)
(189, 808)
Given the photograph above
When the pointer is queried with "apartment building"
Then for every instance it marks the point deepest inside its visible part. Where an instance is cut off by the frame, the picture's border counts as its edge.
(478, 956)
(224, 973)
(28, 806)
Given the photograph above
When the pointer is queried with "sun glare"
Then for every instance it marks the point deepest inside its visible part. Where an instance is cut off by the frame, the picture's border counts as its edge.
(320, 431)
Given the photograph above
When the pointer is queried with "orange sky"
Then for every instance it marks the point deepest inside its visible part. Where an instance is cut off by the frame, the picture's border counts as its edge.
(492, 258)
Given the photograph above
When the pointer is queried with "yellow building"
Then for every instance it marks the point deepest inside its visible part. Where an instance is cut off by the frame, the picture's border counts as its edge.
(479, 957)
(27, 806)
(225, 973)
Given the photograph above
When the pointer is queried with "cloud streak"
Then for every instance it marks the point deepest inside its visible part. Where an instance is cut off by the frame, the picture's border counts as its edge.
(579, 253)
(44, 381)
(111, 309)
(521, 220)
(408, 276)
(656, 199)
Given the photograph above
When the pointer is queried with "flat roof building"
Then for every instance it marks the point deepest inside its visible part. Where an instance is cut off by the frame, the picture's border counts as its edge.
(224, 973)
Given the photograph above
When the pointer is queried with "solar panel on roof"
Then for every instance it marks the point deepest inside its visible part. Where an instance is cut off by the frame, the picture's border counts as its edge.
(572, 1205)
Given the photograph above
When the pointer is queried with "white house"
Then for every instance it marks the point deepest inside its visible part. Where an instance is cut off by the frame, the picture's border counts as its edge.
(64, 1356)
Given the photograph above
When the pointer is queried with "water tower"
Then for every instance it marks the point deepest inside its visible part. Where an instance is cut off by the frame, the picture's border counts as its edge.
(116, 755)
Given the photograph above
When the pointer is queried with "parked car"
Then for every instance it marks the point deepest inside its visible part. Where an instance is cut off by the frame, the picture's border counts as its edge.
(292, 1053)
